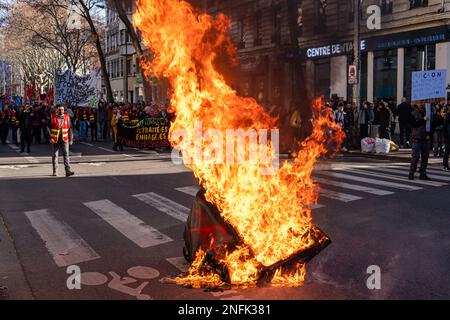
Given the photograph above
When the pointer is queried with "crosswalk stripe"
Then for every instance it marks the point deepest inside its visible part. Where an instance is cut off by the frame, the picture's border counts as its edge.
(406, 172)
(343, 197)
(180, 263)
(370, 181)
(107, 150)
(191, 190)
(63, 243)
(431, 173)
(164, 205)
(130, 226)
(355, 187)
(396, 177)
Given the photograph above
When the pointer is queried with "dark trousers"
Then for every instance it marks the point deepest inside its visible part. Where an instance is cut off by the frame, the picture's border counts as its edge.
(14, 133)
(405, 133)
(4, 129)
(25, 138)
(447, 152)
(363, 131)
(55, 154)
(420, 151)
(45, 134)
(384, 133)
(37, 134)
(94, 132)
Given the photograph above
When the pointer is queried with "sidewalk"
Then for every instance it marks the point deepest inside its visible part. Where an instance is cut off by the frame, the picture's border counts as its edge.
(404, 155)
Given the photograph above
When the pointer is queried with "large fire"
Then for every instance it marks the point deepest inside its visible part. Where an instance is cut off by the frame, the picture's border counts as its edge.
(270, 213)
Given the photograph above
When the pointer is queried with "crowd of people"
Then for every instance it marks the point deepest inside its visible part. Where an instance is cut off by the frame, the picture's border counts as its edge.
(31, 124)
(381, 119)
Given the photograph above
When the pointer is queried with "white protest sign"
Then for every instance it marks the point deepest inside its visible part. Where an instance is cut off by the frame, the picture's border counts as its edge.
(77, 90)
(427, 85)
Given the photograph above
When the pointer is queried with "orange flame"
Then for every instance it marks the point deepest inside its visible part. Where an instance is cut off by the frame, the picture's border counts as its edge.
(271, 213)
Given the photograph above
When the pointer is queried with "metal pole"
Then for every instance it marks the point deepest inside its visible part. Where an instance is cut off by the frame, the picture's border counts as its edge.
(356, 51)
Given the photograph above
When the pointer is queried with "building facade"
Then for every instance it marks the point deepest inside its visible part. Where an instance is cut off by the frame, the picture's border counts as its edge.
(413, 36)
(262, 35)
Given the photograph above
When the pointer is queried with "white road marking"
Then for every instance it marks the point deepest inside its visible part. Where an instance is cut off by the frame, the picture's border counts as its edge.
(395, 177)
(180, 263)
(130, 226)
(343, 197)
(190, 190)
(193, 190)
(63, 243)
(18, 167)
(29, 159)
(93, 164)
(87, 144)
(164, 205)
(431, 173)
(355, 187)
(149, 152)
(370, 181)
(107, 150)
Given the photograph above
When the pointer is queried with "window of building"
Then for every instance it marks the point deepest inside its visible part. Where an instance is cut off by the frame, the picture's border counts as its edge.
(242, 35)
(258, 27)
(129, 66)
(386, 6)
(276, 24)
(322, 81)
(121, 67)
(385, 74)
(417, 59)
(417, 3)
(300, 18)
(321, 13)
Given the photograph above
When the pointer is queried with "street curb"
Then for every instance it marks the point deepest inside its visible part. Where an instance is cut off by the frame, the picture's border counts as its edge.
(379, 156)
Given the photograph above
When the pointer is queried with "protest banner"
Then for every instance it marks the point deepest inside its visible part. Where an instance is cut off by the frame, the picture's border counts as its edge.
(75, 90)
(149, 133)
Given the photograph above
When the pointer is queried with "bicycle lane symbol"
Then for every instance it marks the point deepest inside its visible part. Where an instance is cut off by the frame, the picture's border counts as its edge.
(121, 284)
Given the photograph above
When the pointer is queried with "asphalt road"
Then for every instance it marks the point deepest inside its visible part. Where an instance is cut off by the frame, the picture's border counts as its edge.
(120, 219)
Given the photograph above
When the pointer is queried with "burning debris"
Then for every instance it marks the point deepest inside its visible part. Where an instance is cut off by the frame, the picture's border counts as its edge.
(258, 226)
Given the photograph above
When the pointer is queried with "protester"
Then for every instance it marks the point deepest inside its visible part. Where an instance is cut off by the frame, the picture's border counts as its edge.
(364, 118)
(342, 120)
(116, 122)
(61, 137)
(420, 142)
(93, 124)
(438, 129)
(102, 115)
(5, 123)
(26, 127)
(36, 120)
(384, 120)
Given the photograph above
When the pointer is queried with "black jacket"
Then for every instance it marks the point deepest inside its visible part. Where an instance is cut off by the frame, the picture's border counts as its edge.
(25, 120)
(447, 126)
(404, 111)
(419, 130)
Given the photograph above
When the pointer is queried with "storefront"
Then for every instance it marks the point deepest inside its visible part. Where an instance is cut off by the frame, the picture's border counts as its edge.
(393, 58)
(387, 63)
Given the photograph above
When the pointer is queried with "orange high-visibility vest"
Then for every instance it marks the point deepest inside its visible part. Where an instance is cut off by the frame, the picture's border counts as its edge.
(91, 117)
(55, 129)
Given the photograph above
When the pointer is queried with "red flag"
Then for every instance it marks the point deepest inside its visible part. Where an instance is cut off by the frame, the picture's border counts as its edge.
(49, 97)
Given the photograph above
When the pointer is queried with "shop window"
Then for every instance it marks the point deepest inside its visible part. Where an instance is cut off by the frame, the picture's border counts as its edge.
(417, 59)
(322, 80)
(417, 3)
(385, 74)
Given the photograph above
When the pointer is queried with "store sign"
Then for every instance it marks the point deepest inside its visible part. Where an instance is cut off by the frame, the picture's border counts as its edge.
(429, 85)
(408, 39)
(332, 50)
(374, 19)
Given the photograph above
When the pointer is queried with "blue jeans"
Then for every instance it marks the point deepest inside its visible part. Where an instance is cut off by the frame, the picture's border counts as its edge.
(101, 129)
(55, 153)
(82, 130)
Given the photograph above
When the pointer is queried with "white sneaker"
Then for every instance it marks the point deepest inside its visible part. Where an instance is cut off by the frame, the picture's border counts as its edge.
(344, 149)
